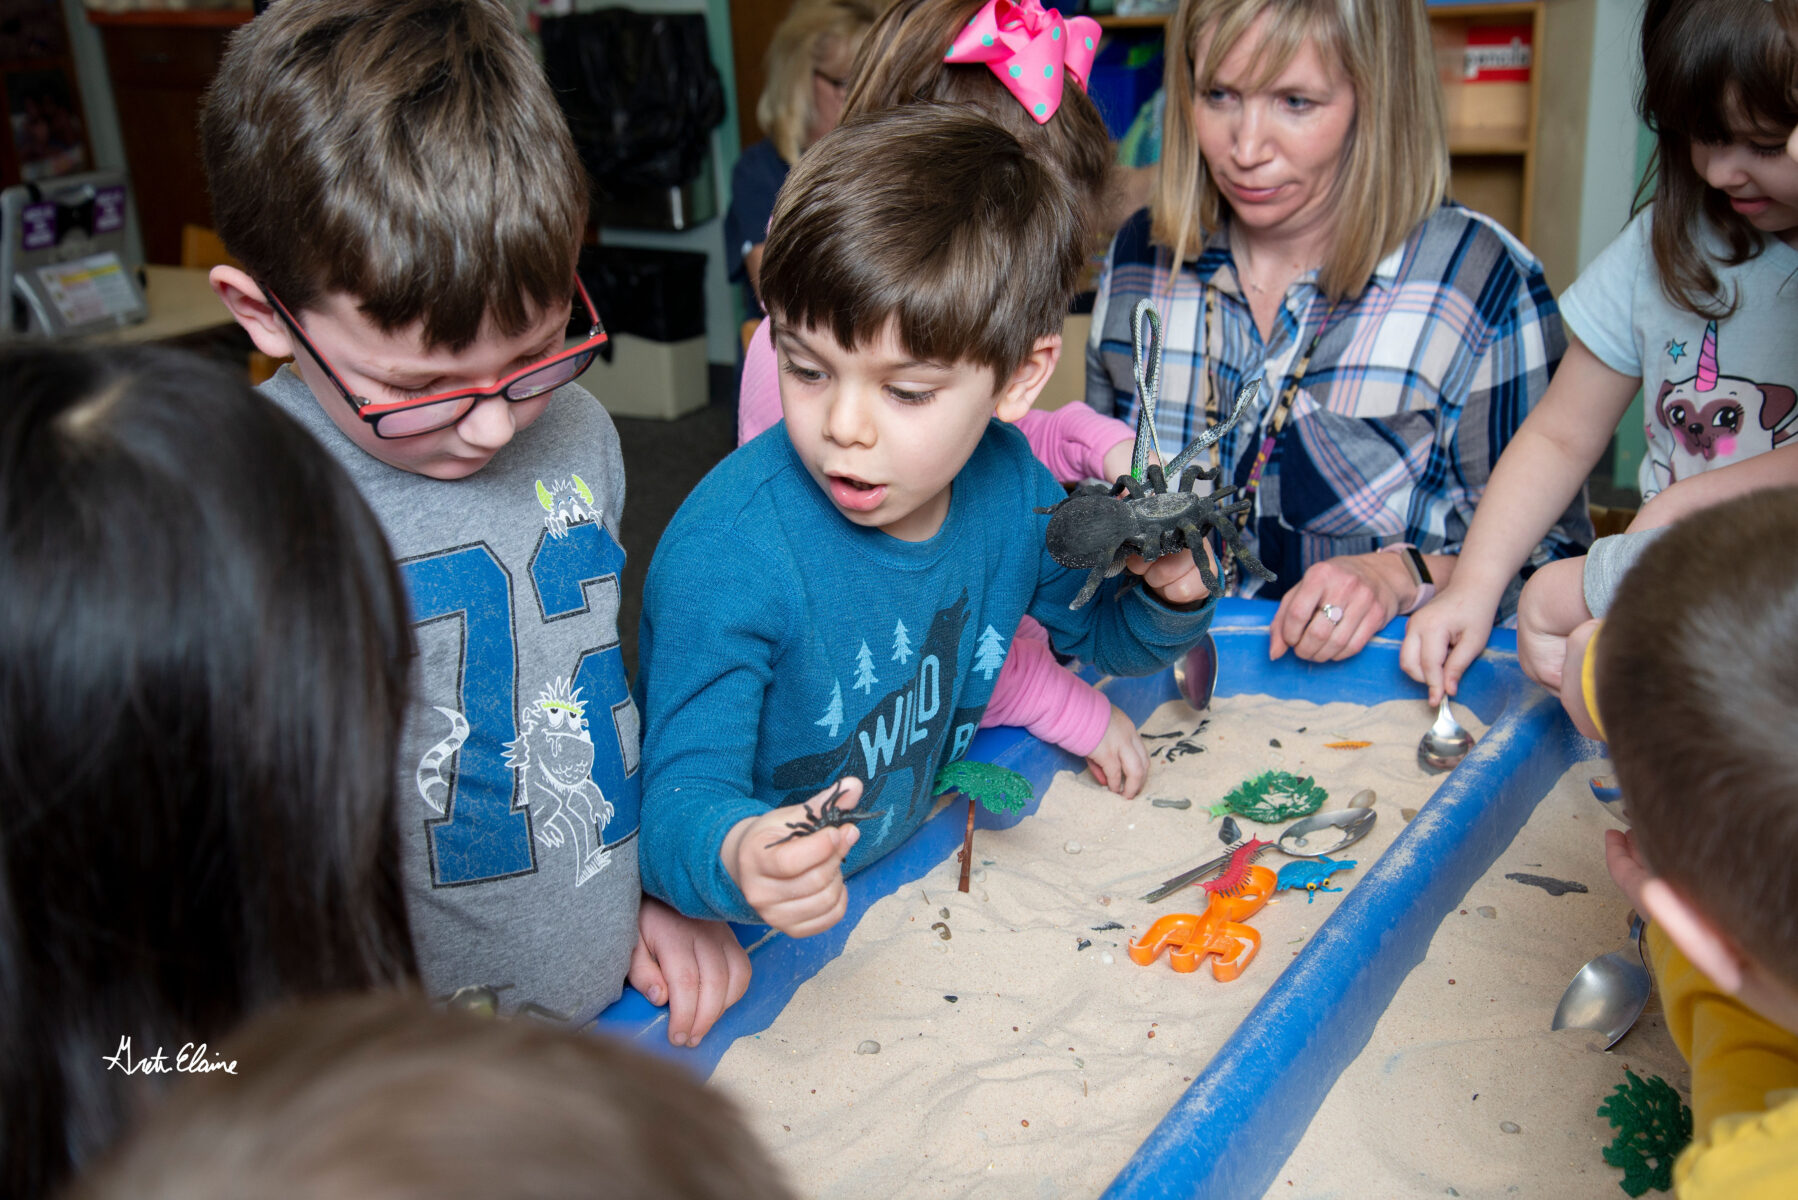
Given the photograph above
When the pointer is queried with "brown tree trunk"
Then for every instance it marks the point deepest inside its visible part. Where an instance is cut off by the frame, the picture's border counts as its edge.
(967, 846)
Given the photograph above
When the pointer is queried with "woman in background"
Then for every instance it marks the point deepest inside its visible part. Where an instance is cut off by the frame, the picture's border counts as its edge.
(808, 76)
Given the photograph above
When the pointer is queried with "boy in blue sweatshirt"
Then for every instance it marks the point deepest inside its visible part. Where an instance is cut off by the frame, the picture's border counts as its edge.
(829, 609)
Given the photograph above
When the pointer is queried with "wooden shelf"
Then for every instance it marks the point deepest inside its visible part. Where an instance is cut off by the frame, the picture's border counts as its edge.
(1486, 144)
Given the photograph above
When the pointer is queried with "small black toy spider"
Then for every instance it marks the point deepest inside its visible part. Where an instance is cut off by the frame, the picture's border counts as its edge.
(828, 814)
(1097, 530)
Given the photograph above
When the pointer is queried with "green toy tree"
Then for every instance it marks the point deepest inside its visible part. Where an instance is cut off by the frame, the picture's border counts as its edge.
(1652, 1125)
(998, 789)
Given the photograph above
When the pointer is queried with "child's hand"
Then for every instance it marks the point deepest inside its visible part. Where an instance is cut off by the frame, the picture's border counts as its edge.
(1553, 604)
(795, 885)
(1120, 761)
(697, 968)
(1175, 578)
(1116, 461)
(1573, 692)
(1444, 637)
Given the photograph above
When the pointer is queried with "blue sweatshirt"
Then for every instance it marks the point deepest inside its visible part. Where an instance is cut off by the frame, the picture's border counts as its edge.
(784, 647)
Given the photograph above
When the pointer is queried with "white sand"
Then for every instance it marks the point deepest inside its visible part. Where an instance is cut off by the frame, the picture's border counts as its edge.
(1052, 1061)
(1404, 1120)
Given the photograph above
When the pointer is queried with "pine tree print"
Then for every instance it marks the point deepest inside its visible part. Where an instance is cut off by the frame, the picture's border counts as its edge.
(989, 655)
(864, 670)
(833, 716)
(901, 644)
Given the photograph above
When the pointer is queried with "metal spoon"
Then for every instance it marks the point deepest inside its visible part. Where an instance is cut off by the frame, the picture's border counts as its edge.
(1609, 992)
(1444, 744)
(1195, 673)
(1349, 824)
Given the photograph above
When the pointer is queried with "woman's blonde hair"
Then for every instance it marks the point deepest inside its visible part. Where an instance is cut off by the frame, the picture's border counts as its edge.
(785, 110)
(1395, 166)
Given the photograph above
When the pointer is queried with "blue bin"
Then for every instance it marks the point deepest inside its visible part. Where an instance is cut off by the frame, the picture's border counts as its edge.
(1246, 1110)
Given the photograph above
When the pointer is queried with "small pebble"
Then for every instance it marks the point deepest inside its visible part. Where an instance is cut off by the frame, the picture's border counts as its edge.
(1364, 798)
(1082, 944)
(1106, 957)
(1453, 1192)
(1301, 729)
(952, 999)
(1275, 743)
(1180, 802)
(1407, 813)
(1080, 1062)
(1487, 911)
(1510, 1127)
(868, 1047)
(943, 913)
(1072, 847)
(942, 930)
(1106, 926)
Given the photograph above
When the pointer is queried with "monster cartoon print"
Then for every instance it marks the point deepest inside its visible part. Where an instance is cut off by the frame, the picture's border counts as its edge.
(568, 502)
(1711, 418)
(554, 755)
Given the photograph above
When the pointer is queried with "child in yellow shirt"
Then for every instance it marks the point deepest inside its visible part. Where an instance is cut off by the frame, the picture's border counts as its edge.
(1694, 682)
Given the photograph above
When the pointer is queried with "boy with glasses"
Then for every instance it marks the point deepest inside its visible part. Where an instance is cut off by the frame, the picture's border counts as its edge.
(402, 192)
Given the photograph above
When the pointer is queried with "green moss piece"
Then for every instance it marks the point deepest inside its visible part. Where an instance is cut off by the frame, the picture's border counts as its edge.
(1275, 796)
(1653, 1125)
(998, 789)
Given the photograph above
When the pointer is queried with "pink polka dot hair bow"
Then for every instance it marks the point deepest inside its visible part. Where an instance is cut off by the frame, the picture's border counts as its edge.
(1030, 48)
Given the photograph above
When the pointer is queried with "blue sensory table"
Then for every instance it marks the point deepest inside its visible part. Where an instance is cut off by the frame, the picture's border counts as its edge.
(1228, 1135)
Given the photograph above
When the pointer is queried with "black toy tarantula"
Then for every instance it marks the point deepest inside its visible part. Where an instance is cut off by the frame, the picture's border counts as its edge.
(1098, 529)
(828, 814)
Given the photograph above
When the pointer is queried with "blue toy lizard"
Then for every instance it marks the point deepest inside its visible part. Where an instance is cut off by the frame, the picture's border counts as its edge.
(1313, 876)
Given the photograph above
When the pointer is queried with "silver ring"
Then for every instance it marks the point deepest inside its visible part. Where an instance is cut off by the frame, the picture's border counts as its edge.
(1332, 613)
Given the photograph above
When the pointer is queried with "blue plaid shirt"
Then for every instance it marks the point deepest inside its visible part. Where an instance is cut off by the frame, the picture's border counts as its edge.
(1412, 392)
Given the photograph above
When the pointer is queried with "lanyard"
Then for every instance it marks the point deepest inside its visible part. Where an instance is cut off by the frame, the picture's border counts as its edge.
(1284, 408)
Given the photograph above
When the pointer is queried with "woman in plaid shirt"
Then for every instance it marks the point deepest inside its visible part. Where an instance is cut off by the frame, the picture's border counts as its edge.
(1298, 234)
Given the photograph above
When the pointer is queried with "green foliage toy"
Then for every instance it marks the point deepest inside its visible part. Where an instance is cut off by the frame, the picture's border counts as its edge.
(1653, 1125)
(1273, 796)
(998, 789)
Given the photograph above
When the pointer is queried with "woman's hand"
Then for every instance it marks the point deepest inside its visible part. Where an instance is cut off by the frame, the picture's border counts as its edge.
(1339, 604)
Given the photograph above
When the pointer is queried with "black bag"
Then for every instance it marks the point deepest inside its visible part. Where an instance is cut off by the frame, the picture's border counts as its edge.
(640, 92)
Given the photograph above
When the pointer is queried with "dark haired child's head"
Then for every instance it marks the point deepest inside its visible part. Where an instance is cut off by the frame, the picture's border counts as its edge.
(397, 175)
(203, 657)
(918, 268)
(901, 62)
(378, 1099)
(1697, 685)
(1720, 92)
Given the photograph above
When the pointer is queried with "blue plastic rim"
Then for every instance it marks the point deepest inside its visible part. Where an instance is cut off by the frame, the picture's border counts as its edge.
(1228, 1135)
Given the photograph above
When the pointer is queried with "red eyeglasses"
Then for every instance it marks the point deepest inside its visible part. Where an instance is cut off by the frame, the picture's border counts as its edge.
(427, 414)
